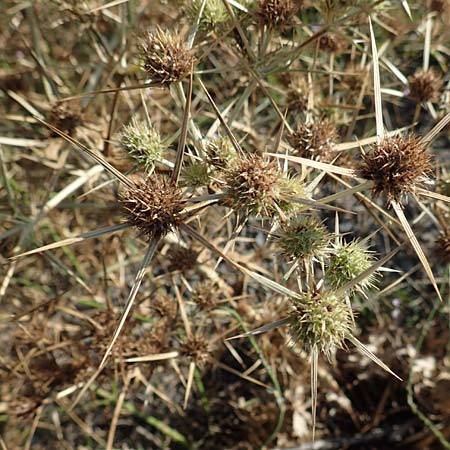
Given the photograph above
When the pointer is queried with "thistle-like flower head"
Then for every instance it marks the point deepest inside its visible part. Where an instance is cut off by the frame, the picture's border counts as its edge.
(277, 13)
(142, 143)
(347, 261)
(397, 166)
(154, 206)
(314, 140)
(303, 238)
(320, 320)
(165, 57)
(425, 86)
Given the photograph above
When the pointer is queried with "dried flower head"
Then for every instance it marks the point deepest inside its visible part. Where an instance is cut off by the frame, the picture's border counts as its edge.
(256, 186)
(206, 294)
(213, 15)
(166, 59)
(143, 143)
(332, 43)
(65, 116)
(347, 261)
(425, 86)
(154, 206)
(322, 321)
(183, 259)
(277, 13)
(297, 95)
(196, 349)
(442, 246)
(314, 140)
(303, 238)
(397, 166)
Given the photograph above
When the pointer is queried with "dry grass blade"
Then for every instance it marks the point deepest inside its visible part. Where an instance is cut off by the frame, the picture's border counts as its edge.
(21, 142)
(73, 240)
(112, 90)
(134, 290)
(415, 243)
(183, 135)
(432, 194)
(154, 357)
(430, 136)
(97, 158)
(108, 5)
(222, 120)
(365, 351)
(376, 86)
(116, 414)
(350, 191)
(314, 371)
(189, 383)
(318, 205)
(330, 168)
(263, 329)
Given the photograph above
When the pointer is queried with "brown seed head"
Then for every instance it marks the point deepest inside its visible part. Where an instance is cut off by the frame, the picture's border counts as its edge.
(297, 95)
(196, 349)
(166, 59)
(442, 246)
(253, 184)
(277, 13)
(332, 43)
(397, 166)
(65, 116)
(154, 206)
(183, 259)
(314, 140)
(425, 86)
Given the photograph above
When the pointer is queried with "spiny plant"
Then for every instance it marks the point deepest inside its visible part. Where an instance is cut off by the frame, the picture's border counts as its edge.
(200, 202)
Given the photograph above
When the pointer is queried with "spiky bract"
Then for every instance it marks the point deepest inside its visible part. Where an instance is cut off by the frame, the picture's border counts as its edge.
(347, 261)
(142, 143)
(195, 175)
(277, 13)
(314, 140)
(425, 86)
(213, 15)
(220, 152)
(322, 321)
(397, 166)
(154, 206)
(303, 238)
(259, 187)
(165, 57)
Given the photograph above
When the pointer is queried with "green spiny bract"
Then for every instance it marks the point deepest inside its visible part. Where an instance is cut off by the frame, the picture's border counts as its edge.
(195, 175)
(258, 187)
(347, 261)
(220, 152)
(165, 57)
(214, 14)
(303, 238)
(397, 166)
(142, 143)
(320, 320)
(154, 206)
